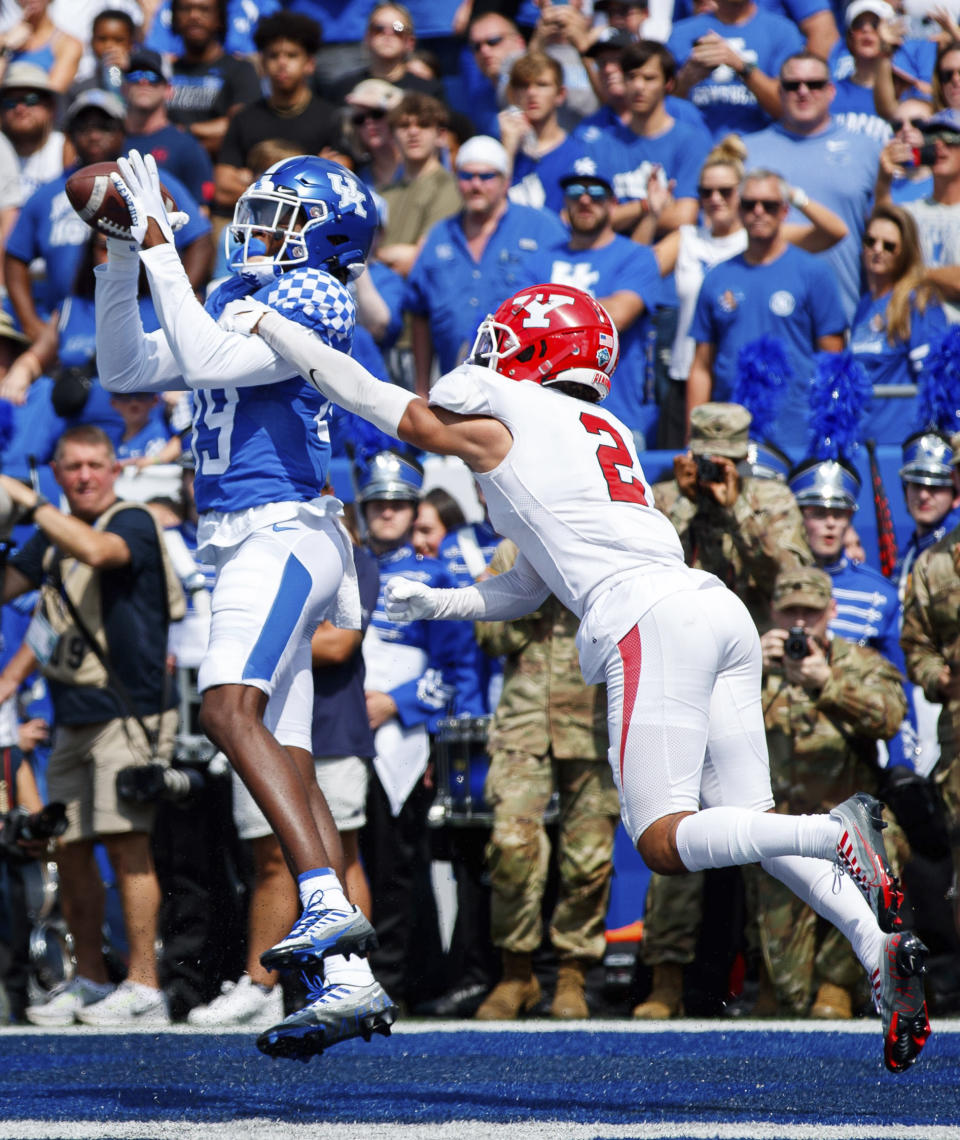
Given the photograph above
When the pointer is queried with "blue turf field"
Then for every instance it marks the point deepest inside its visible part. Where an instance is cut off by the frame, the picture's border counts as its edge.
(455, 1080)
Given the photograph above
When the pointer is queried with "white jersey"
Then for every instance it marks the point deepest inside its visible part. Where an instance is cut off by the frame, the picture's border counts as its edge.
(571, 492)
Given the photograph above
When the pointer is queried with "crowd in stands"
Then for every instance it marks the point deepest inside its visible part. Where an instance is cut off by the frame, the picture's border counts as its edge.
(765, 195)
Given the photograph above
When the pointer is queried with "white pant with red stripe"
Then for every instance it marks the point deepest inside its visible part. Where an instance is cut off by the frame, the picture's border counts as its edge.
(684, 713)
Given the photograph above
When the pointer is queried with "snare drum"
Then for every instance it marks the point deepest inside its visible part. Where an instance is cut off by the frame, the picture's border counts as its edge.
(462, 763)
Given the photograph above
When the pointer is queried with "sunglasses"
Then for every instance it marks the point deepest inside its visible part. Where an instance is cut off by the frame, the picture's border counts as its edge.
(899, 124)
(594, 191)
(768, 205)
(871, 242)
(810, 84)
(396, 28)
(476, 45)
(150, 77)
(374, 113)
(486, 176)
(707, 192)
(947, 73)
(27, 99)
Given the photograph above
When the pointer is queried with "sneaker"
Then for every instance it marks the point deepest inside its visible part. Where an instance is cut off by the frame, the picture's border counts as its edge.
(898, 995)
(129, 1004)
(862, 855)
(319, 932)
(335, 1013)
(240, 1003)
(66, 1000)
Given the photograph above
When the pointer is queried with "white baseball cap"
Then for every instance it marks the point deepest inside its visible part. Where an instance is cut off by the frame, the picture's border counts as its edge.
(484, 151)
(880, 8)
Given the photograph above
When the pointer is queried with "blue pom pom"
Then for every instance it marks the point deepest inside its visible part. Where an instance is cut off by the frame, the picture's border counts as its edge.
(938, 387)
(763, 373)
(839, 394)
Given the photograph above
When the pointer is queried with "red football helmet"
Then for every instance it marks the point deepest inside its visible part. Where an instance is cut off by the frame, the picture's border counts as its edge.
(550, 334)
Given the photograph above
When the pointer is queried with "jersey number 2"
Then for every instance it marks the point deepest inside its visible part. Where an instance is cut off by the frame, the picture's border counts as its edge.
(611, 457)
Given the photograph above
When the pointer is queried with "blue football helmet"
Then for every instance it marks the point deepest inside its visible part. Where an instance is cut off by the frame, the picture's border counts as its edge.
(311, 211)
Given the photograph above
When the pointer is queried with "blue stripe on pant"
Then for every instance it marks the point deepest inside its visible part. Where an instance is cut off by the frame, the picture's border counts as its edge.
(292, 595)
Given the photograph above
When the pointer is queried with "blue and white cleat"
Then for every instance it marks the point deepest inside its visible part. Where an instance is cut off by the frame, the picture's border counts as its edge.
(898, 996)
(320, 931)
(336, 1013)
(862, 855)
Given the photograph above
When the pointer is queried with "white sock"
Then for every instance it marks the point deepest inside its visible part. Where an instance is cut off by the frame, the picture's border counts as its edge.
(733, 836)
(835, 898)
(352, 971)
(325, 880)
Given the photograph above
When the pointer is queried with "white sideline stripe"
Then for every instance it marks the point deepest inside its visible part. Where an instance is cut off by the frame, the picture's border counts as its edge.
(412, 1026)
(253, 1129)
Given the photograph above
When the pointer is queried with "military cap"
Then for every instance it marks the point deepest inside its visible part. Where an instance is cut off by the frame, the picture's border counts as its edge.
(825, 483)
(803, 586)
(719, 429)
(927, 458)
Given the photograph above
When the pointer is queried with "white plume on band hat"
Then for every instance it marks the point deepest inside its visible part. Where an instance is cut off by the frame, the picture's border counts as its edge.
(482, 150)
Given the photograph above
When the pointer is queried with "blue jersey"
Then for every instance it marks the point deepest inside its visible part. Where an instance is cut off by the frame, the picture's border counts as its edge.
(629, 159)
(150, 439)
(449, 683)
(270, 444)
(621, 264)
(836, 168)
(793, 299)
(868, 613)
(725, 101)
(49, 227)
(853, 107)
(455, 292)
(536, 181)
(898, 363)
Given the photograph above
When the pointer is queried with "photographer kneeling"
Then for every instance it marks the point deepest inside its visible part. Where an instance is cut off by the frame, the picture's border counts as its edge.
(826, 703)
(99, 635)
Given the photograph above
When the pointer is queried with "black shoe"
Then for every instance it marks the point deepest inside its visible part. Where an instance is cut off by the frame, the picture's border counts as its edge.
(462, 1002)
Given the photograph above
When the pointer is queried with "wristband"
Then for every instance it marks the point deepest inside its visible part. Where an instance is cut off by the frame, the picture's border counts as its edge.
(749, 67)
(799, 198)
(27, 516)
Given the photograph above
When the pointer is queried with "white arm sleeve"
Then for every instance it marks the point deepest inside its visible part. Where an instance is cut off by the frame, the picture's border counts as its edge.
(128, 359)
(502, 597)
(208, 356)
(337, 376)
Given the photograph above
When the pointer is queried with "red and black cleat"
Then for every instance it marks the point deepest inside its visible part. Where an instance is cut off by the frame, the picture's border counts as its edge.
(898, 994)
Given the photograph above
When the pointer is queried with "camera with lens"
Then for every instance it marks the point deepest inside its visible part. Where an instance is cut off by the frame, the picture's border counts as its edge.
(925, 155)
(796, 647)
(151, 783)
(20, 824)
(709, 471)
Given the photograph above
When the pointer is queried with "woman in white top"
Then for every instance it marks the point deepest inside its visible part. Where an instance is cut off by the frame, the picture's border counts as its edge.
(690, 251)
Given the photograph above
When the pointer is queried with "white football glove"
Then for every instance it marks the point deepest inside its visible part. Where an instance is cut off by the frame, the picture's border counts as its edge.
(405, 600)
(242, 315)
(138, 184)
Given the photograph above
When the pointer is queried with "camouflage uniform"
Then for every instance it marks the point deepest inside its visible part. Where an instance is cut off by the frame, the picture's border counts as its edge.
(746, 546)
(822, 750)
(549, 730)
(931, 640)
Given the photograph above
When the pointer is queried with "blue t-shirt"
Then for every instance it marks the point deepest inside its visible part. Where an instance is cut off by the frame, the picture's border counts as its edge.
(341, 23)
(536, 181)
(179, 154)
(242, 17)
(592, 127)
(793, 299)
(455, 292)
(393, 290)
(897, 363)
(836, 168)
(622, 264)
(794, 10)
(853, 107)
(271, 443)
(148, 440)
(49, 227)
(726, 102)
(631, 158)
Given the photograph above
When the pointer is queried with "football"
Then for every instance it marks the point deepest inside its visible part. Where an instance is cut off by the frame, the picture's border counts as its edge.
(96, 200)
